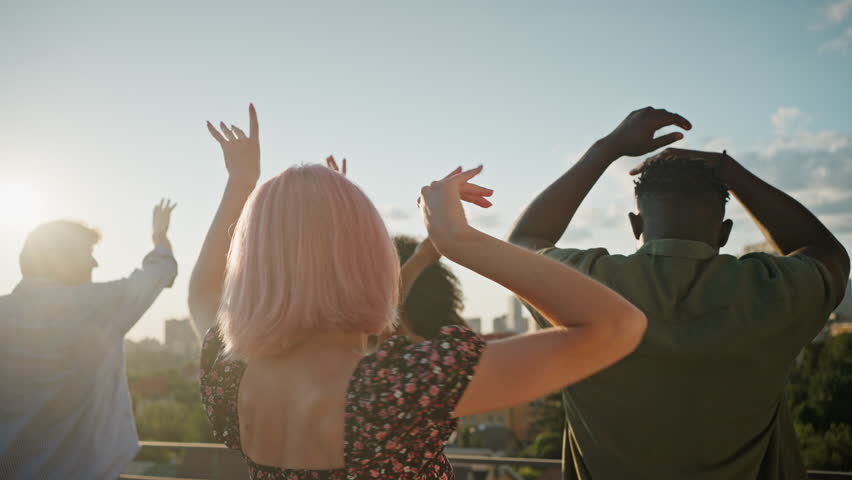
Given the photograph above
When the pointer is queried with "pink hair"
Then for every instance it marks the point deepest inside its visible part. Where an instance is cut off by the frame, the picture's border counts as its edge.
(310, 253)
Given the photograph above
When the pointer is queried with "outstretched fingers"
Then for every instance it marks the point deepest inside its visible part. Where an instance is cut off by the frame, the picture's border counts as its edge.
(240, 134)
(215, 133)
(254, 129)
(456, 171)
(465, 176)
(665, 118)
(667, 139)
(331, 163)
(476, 200)
(226, 131)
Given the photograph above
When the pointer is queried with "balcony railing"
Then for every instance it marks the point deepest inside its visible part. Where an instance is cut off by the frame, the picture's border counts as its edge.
(221, 463)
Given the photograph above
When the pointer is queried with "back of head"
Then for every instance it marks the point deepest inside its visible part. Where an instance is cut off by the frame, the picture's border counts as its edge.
(310, 254)
(434, 300)
(58, 251)
(680, 198)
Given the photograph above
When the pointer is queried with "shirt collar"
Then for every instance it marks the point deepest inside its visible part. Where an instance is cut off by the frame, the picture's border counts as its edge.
(673, 247)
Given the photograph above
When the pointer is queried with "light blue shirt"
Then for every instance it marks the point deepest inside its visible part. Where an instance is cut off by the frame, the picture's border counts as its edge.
(65, 409)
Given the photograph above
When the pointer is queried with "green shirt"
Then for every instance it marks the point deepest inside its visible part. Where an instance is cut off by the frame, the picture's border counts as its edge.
(702, 397)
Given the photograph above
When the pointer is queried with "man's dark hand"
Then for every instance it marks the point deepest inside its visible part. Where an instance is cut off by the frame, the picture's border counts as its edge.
(635, 135)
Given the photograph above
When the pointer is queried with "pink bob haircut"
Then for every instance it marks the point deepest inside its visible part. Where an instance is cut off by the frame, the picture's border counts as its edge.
(310, 254)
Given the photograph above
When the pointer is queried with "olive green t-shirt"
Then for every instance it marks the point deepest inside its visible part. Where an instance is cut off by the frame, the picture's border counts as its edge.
(702, 397)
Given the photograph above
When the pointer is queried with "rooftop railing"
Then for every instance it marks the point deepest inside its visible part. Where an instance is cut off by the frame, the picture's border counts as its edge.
(219, 463)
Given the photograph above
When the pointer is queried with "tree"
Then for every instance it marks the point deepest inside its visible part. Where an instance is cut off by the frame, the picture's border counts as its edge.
(548, 419)
(820, 399)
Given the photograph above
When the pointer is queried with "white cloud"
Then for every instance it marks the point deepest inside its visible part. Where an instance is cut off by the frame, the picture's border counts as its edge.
(395, 213)
(789, 125)
(815, 167)
(826, 141)
(784, 117)
(837, 11)
(838, 44)
(485, 220)
(589, 217)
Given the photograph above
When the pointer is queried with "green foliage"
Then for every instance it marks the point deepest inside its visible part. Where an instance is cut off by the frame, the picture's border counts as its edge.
(148, 356)
(548, 418)
(171, 411)
(545, 445)
(547, 414)
(468, 437)
(529, 473)
(820, 398)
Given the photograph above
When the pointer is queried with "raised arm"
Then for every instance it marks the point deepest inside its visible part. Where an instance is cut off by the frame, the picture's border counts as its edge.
(544, 221)
(424, 255)
(594, 326)
(119, 304)
(788, 226)
(242, 160)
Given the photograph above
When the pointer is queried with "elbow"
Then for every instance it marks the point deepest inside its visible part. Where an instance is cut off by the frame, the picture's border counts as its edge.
(639, 325)
(629, 329)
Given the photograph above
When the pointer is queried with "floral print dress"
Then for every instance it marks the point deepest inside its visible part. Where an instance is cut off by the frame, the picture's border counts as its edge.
(398, 407)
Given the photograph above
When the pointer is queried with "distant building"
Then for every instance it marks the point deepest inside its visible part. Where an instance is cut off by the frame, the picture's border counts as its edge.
(499, 324)
(515, 421)
(475, 324)
(516, 319)
(180, 337)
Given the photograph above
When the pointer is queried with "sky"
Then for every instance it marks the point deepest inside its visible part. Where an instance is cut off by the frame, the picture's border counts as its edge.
(103, 104)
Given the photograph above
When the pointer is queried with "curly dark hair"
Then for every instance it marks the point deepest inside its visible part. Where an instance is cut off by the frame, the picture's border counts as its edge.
(673, 176)
(435, 300)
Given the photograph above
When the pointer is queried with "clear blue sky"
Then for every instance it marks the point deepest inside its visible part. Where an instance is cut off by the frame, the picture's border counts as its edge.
(102, 108)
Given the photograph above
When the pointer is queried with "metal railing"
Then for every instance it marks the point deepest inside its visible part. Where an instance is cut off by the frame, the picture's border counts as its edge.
(472, 466)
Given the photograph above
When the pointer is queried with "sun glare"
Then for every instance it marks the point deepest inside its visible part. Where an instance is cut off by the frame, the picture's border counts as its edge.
(21, 204)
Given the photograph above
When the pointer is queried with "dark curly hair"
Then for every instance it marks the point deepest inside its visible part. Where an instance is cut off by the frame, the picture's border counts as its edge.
(680, 177)
(435, 300)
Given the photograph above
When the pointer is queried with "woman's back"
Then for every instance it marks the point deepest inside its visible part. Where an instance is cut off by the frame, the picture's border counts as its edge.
(291, 409)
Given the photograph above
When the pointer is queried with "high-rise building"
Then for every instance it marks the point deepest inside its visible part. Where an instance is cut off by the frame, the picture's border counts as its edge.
(474, 323)
(516, 320)
(499, 324)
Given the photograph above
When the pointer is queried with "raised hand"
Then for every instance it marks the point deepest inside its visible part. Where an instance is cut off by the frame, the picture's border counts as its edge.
(161, 219)
(635, 135)
(242, 153)
(440, 204)
(332, 164)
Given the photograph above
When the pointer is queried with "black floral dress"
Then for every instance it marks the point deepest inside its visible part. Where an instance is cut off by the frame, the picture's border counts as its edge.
(398, 407)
